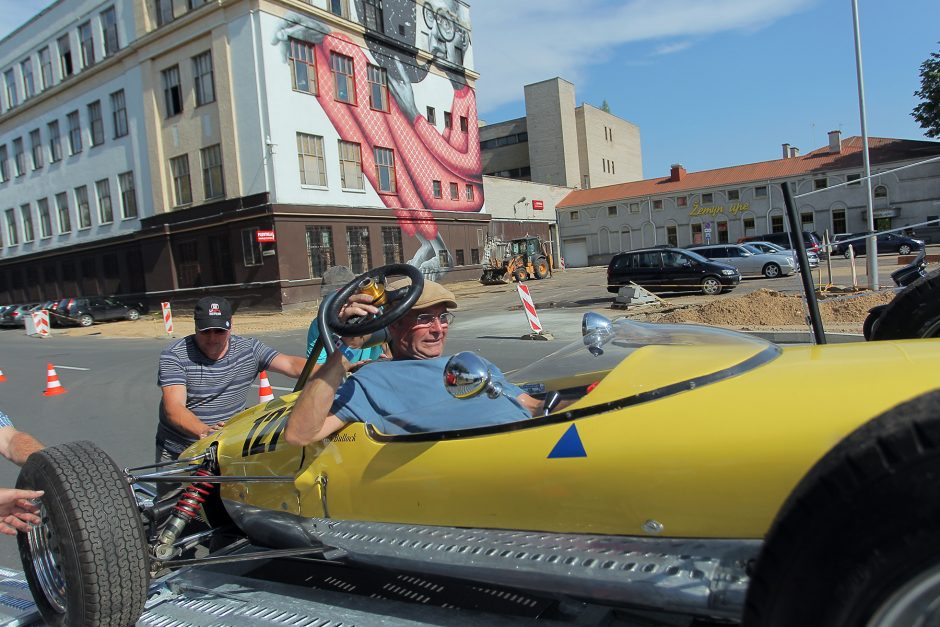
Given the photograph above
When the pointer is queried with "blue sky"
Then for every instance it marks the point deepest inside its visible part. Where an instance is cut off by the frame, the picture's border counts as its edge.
(710, 83)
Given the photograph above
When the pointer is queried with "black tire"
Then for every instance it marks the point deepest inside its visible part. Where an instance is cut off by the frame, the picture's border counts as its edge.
(847, 254)
(86, 320)
(520, 274)
(541, 268)
(133, 314)
(858, 528)
(87, 563)
(904, 249)
(871, 320)
(771, 271)
(711, 286)
(913, 313)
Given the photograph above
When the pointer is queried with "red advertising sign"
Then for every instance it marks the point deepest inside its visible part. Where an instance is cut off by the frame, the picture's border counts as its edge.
(264, 236)
(538, 205)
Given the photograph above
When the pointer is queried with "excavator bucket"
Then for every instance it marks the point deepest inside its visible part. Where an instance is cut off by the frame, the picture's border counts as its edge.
(493, 276)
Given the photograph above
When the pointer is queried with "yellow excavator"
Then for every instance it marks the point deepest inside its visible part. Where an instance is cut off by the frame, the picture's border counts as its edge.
(520, 259)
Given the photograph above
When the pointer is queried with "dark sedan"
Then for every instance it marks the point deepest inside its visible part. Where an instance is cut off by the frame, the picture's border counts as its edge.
(888, 243)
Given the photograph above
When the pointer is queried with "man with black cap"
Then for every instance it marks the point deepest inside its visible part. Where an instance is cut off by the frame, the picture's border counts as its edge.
(405, 394)
(206, 377)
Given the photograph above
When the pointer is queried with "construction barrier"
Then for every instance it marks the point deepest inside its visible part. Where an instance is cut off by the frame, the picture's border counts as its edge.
(53, 386)
(529, 307)
(37, 323)
(265, 393)
(2, 378)
(167, 317)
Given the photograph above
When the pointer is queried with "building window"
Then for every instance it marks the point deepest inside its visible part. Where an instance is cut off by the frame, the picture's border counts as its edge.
(392, 251)
(574, 216)
(109, 31)
(734, 194)
(128, 195)
(378, 88)
(806, 219)
(13, 235)
(11, 89)
(360, 251)
(776, 224)
(448, 120)
(880, 192)
(45, 222)
(45, 67)
(163, 11)
(29, 85)
(672, 235)
(708, 199)
(81, 204)
(821, 183)
(65, 56)
(760, 191)
(35, 148)
(343, 83)
(19, 157)
(838, 221)
(86, 44)
(464, 124)
(339, 7)
(55, 142)
(373, 19)
(682, 201)
(310, 158)
(612, 211)
(634, 207)
(251, 248)
(320, 253)
(454, 191)
(172, 92)
(437, 189)
(62, 213)
(119, 113)
(474, 256)
(105, 211)
(385, 169)
(460, 257)
(468, 192)
(75, 133)
(748, 225)
(854, 180)
(182, 184)
(213, 183)
(4, 165)
(188, 272)
(432, 116)
(350, 165)
(221, 259)
(203, 83)
(97, 123)
(657, 205)
(303, 67)
(26, 215)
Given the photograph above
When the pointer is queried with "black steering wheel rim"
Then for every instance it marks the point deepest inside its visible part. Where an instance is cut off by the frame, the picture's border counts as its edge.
(400, 300)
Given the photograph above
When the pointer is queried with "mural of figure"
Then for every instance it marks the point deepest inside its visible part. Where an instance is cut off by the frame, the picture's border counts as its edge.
(426, 163)
(447, 37)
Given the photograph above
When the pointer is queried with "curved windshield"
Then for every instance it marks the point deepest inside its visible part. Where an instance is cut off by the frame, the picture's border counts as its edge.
(696, 256)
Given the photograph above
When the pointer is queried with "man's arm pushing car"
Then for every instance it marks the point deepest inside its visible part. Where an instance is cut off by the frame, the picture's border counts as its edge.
(17, 445)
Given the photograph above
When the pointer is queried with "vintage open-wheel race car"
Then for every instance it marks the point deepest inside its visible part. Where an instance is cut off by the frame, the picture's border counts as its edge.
(694, 470)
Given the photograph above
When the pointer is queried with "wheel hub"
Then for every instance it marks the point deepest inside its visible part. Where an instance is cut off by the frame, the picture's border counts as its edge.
(44, 549)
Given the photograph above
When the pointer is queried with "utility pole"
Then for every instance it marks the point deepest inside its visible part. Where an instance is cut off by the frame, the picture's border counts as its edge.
(872, 241)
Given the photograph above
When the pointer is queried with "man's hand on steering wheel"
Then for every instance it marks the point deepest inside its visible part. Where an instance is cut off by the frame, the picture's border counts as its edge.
(357, 306)
(351, 313)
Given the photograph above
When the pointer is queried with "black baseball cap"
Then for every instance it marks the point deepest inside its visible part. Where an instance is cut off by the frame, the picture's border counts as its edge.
(213, 312)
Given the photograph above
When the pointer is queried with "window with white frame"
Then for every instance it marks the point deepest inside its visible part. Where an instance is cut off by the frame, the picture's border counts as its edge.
(172, 91)
(55, 142)
(96, 122)
(109, 31)
(65, 56)
(13, 235)
(82, 207)
(75, 133)
(838, 221)
(251, 248)
(612, 211)
(672, 235)
(682, 201)
(350, 165)
(10, 80)
(378, 87)
(105, 209)
(19, 156)
(854, 180)
(339, 7)
(320, 254)
(182, 184)
(431, 116)
(360, 249)
(303, 67)
(29, 83)
(373, 15)
(574, 216)
(45, 68)
(203, 81)
(880, 192)
(734, 194)
(468, 189)
(385, 169)
(86, 44)
(35, 148)
(392, 250)
(62, 213)
(708, 198)
(344, 85)
(128, 195)
(163, 10)
(821, 183)
(45, 220)
(776, 223)
(437, 189)
(760, 191)
(4, 165)
(213, 182)
(26, 215)
(634, 207)
(119, 113)
(454, 191)
(310, 159)
(657, 205)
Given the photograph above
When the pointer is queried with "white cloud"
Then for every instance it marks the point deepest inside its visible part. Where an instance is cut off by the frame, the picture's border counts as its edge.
(524, 41)
(672, 48)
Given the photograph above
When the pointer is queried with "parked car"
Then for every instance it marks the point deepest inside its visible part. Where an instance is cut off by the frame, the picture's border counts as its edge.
(893, 243)
(15, 315)
(670, 270)
(770, 247)
(85, 311)
(811, 240)
(749, 263)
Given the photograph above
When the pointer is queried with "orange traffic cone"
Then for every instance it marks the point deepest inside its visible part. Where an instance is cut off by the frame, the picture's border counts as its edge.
(2, 378)
(53, 387)
(265, 393)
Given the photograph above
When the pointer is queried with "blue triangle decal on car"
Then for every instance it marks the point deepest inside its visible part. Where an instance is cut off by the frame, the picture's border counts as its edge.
(569, 445)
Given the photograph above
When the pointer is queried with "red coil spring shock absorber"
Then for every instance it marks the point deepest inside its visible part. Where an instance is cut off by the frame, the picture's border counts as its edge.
(187, 508)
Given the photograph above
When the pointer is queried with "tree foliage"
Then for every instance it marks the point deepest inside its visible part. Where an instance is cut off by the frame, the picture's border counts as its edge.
(927, 113)
(605, 107)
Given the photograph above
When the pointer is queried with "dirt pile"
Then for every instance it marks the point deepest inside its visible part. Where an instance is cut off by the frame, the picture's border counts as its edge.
(768, 308)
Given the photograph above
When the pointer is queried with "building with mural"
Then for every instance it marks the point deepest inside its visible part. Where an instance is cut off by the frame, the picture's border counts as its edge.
(171, 148)
(726, 204)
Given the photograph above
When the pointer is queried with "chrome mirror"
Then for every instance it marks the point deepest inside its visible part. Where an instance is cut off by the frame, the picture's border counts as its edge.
(595, 329)
(466, 376)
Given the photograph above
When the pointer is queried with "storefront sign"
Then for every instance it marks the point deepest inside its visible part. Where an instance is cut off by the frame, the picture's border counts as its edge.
(538, 205)
(735, 209)
(263, 237)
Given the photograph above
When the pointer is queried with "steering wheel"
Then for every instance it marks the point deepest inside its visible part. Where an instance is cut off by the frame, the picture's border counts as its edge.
(399, 301)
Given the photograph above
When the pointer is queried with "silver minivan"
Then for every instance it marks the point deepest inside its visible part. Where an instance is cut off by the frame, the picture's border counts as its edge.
(749, 263)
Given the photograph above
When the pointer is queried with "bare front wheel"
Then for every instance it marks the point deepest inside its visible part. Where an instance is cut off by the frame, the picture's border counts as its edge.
(711, 286)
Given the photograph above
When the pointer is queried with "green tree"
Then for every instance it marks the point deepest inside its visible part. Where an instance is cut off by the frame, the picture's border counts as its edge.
(605, 107)
(927, 113)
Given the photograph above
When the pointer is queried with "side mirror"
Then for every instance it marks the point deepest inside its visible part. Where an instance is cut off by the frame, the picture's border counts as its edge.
(466, 376)
(595, 329)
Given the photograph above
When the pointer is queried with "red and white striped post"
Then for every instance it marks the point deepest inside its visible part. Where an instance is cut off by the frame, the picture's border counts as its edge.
(532, 317)
(167, 317)
(41, 322)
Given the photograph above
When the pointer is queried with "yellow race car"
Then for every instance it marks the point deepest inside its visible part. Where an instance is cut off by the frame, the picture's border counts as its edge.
(693, 470)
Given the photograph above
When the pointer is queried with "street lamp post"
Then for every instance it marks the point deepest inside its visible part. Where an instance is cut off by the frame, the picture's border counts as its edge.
(872, 241)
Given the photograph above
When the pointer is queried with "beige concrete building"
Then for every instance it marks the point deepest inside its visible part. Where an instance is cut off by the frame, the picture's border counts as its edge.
(559, 143)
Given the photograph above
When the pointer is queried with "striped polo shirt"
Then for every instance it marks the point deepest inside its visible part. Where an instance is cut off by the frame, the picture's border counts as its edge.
(5, 420)
(215, 390)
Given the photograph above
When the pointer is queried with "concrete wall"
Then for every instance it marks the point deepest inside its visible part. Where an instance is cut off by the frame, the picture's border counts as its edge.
(608, 147)
(553, 133)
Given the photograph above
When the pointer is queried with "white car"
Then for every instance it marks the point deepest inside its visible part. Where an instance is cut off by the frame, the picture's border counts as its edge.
(770, 247)
(748, 262)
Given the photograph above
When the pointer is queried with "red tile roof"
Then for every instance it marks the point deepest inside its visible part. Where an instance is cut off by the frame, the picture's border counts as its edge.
(881, 150)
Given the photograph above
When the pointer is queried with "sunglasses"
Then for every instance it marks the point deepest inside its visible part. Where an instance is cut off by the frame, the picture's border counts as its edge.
(426, 319)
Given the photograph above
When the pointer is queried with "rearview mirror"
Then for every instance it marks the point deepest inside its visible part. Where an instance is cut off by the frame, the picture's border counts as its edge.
(466, 376)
